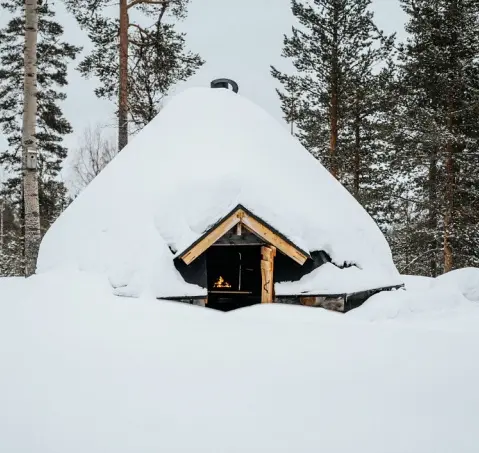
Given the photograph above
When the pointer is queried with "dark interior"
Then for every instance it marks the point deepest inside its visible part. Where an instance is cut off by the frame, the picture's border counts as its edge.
(234, 276)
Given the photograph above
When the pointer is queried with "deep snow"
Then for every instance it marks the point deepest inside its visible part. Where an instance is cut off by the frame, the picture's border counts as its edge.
(206, 152)
(330, 279)
(84, 371)
(448, 302)
(466, 281)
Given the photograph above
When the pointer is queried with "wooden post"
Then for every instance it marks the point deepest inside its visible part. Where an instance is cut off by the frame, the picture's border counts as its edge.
(267, 274)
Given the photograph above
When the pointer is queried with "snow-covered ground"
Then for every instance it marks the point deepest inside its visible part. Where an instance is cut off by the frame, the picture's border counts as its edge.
(448, 302)
(84, 371)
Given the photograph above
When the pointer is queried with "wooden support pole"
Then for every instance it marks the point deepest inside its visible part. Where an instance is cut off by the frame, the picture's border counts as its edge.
(267, 274)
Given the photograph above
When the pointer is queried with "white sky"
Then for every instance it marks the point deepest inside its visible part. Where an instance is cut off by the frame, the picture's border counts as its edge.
(238, 40)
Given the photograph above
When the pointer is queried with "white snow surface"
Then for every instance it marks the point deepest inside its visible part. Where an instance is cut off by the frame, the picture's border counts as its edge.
(330, 279)
(465, 280)
(206, 152)
(417, 281)
(84, 371)
(444, 299)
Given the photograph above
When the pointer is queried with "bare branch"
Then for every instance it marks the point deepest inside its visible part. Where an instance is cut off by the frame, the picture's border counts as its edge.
(92, 156)
(149, 2)
(140, 44)
(162, 12)
(142, 30)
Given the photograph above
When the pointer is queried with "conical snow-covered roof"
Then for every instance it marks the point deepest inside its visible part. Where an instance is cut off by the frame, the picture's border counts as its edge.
(206, 152)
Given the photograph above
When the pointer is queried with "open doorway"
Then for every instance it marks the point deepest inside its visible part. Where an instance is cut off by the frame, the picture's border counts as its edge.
(234, 276)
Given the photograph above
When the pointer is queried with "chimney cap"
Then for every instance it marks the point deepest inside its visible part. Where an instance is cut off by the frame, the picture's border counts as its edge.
(225, 83)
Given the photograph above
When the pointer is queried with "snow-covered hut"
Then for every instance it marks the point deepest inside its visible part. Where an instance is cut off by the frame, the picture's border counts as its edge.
(215, 203)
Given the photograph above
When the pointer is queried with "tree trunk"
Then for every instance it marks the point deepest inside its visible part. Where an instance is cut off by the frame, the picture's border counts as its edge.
(334, 133)
(433, 210)
(455, 94)
(408, 233)
(448, 216)
(30, 175)
(334, 100)
(2, 208)
(357, 156)
(123, 90)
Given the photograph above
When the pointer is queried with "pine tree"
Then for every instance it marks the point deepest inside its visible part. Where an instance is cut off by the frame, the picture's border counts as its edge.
(335, 98)
(148, 60)
(11, 241)
(438, 150)
(160, 61)
(365, 144)
(53, 55)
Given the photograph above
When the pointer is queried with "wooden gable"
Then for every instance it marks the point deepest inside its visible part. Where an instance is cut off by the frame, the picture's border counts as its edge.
(240, 235)
(241, 218)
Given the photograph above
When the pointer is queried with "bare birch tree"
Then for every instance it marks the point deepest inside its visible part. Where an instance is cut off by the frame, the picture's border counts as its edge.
(30, 176)
(92, 156)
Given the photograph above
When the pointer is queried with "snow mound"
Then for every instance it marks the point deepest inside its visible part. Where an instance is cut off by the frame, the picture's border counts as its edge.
(403, 304)
(329, 279)
(450, 297)
(466, 281)
(206, 152)
(413, 282)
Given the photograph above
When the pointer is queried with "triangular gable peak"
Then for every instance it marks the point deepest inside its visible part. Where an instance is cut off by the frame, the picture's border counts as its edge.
(242, 217)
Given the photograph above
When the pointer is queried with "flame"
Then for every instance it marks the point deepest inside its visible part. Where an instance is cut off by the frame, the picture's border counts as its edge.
(221, 283)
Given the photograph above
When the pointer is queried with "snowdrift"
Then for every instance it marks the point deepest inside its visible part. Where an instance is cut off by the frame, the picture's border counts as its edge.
(84, 371)
(330, 279)
(466, 281)
(206, 152)
(447, 299)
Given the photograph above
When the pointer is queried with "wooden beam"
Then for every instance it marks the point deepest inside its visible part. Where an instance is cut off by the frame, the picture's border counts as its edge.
(273, 239)
(267, 274)
(335, 303)
(309, 301)
(247, 238)
(240, 218)
(209, 240)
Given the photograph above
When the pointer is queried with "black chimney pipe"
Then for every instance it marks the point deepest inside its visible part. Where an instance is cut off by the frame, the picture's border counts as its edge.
(225, 83)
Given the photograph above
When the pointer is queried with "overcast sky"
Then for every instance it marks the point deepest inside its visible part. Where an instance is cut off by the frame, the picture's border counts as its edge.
(238, 40)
